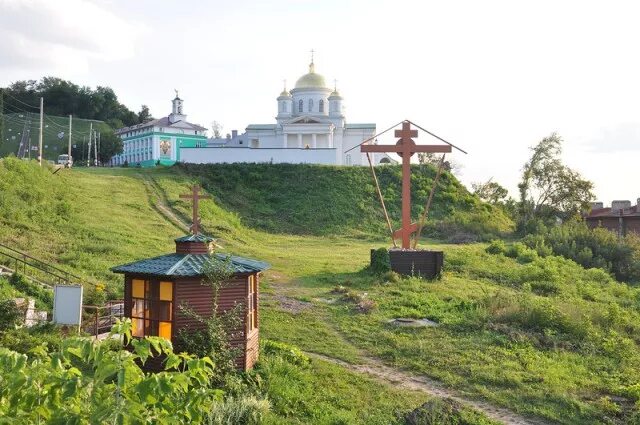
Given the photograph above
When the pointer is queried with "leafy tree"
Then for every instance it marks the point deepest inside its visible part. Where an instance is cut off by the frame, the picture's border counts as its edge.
(490, 192)
(549, 188)
(64, 98)
(110, 145)
(216, 128)
(144, 115)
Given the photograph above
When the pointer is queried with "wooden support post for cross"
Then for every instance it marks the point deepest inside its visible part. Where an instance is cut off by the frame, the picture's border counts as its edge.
(406, 147)
(195, 196)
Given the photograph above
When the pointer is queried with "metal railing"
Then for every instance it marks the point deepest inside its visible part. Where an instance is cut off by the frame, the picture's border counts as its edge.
(35, 269)
(99, 319)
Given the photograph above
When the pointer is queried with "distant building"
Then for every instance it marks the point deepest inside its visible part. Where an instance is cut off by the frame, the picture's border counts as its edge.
(310, 128)
(621, 218)
(159, 140)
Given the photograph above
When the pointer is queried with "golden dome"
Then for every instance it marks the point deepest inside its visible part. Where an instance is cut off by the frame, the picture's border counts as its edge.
(311, 80)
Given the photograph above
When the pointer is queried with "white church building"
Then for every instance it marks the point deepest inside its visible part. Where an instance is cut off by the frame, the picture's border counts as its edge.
(310, 128)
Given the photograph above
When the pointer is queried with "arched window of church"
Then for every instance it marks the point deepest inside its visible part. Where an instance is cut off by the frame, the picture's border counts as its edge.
(300, 105)
(321, 106)
(310, 105)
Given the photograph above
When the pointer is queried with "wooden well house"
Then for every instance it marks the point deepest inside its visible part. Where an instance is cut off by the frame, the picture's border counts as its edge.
(156, 288)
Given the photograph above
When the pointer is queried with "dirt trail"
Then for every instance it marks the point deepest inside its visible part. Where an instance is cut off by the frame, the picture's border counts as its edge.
(382, 372)
(159, 203)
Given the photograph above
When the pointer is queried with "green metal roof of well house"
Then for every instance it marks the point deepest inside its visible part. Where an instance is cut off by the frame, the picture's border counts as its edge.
(198, 237)
(188, 265)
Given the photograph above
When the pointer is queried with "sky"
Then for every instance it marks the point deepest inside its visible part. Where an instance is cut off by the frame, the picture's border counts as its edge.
(494, 77)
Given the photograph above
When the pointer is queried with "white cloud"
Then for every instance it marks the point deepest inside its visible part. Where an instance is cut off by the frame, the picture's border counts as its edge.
(62, 35)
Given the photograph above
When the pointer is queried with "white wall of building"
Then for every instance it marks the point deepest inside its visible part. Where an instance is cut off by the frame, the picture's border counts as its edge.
(275, 155)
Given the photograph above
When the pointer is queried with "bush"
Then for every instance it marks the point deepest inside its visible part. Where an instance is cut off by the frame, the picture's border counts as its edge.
(245, 410)
(287, 352)
(380, 262)
(527, 256)
(10, 315)
(45, 296)
(515, 249)
(496, 246)
(597, 248)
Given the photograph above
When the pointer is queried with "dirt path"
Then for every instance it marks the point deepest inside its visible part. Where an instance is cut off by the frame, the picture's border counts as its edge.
(382, 372)
(159, 203)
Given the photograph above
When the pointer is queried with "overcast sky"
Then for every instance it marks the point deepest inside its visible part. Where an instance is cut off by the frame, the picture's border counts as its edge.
(491, 76)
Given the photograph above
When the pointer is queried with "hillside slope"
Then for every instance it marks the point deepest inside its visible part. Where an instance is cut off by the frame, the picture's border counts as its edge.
(330, 200)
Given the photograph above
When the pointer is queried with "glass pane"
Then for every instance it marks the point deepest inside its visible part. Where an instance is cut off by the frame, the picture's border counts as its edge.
(166, 291)
(137, 327)
(164, 310)
(137, 307)
(165, 330)
(150, 328)
(137, 288)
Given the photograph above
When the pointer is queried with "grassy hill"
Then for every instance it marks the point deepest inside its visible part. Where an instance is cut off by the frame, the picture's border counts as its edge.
(329, 200)
(539, 335)
(54, 142)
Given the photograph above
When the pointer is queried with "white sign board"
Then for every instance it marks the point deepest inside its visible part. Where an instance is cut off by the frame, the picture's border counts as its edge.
(67, 304)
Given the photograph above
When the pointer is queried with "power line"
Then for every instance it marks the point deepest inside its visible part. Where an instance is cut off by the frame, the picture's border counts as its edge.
(18, 100)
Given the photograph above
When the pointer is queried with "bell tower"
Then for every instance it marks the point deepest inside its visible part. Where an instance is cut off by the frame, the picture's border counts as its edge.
(176, 112)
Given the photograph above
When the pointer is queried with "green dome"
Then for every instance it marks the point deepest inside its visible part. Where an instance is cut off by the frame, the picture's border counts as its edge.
(311, 80)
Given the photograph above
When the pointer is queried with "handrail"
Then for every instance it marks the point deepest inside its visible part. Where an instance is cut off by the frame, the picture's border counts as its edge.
(25, 255)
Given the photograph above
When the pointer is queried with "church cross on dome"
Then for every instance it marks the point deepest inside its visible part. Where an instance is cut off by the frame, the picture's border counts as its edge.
(312, 52)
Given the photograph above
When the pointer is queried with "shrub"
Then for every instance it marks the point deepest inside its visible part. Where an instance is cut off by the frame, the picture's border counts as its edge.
(496, 246)
(10, 315)
(352, 296)
(597, 248)
(392, 277)
(527, 256)
(287, 352)
(538, 244)
(380, 262)
(515, 249)
(45, 296)
(544, 288)
(246, 410)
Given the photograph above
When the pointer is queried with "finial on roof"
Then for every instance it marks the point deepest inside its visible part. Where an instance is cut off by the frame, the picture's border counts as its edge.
(176, 90)
(285, 85)
(335, 85)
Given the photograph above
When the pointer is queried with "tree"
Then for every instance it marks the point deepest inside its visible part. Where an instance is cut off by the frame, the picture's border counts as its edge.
(216, 128)
(490, 192)
(433, 159)
(549, 188)
(110, 145)
(144, 115)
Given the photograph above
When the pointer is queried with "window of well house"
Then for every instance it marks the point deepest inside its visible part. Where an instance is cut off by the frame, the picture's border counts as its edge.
(151, 308)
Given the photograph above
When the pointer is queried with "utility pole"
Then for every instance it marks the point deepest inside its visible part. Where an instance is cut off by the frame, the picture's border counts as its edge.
(98, 144)
(29, 147)
(1, 116)
(69, 150)
(89, 153)
(95, 147)
(84, 141)
(40, 151)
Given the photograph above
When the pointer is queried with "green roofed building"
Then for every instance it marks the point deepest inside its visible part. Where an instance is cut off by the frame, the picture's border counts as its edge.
(158, 290)
(159, 141)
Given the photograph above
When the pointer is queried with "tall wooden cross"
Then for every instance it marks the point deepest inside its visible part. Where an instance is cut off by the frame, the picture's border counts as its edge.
(195, 196)
(406, 147)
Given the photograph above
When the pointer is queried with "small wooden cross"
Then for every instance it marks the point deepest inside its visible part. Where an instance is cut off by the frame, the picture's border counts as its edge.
(406, 147)
(195, 196)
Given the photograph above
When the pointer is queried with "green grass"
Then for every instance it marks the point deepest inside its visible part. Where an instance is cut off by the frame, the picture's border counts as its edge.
(541, 336)
(53, 145)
